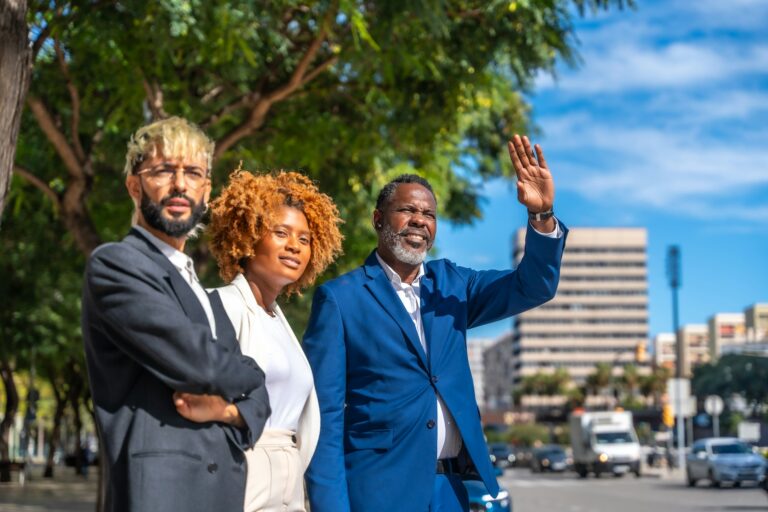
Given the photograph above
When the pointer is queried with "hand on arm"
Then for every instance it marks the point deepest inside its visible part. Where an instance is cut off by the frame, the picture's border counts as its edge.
(205, 408)
(535, 187)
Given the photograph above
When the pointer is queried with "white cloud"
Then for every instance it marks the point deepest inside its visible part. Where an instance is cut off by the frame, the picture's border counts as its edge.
(685, 44)
(658, 168)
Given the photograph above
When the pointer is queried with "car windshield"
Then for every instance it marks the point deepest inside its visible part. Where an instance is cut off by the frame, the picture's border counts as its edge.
(720, 449)
(613, 437)
(499, 448)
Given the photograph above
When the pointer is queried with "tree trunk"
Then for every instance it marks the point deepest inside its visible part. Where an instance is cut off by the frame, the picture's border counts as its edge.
(15, 65)
(75, 392)
(11, 406)
(58, 415)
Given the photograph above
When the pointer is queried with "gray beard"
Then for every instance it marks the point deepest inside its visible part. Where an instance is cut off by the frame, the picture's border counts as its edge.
(403, 254)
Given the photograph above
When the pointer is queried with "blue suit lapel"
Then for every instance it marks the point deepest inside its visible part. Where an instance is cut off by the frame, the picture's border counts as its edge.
(382, 291)
(427, 318)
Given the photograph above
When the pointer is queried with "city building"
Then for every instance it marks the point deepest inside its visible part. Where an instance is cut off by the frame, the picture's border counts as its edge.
(726, 329)
(475, 349)
(664, 350)
(695, 340)
(756, 320)
(600, 312)
(497, 374)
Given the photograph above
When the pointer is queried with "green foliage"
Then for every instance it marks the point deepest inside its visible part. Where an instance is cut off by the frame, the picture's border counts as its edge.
(350, 93)
(546, 383)
(734, 374)
(528, 434)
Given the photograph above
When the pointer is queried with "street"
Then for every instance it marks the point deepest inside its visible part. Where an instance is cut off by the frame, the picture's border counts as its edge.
(656, 492)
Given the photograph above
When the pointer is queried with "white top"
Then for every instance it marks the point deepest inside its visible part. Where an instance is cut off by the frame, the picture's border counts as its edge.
(287, 380)
(248, 319)
(186, 268)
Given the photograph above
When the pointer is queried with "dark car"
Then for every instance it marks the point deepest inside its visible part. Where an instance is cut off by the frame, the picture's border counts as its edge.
(549, 458)
(501, 455)
(480, 500)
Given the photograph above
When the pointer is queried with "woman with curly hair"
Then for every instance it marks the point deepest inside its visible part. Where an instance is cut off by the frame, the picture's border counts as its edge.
(273, 234)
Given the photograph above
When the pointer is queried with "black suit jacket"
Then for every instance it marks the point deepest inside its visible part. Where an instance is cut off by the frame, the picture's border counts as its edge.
(146, 335)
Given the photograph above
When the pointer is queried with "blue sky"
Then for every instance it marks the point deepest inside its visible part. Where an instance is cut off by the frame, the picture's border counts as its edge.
(663, 125)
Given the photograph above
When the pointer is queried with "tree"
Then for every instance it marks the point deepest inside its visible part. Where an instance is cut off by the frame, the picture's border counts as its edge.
(655, 384)
(600, 379)
(629, 380)
(39, 300)
(386, 87)
(734, 374)
(15, 63)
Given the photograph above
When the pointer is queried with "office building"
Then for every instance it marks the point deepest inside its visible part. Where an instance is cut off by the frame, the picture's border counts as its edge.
(600, 312)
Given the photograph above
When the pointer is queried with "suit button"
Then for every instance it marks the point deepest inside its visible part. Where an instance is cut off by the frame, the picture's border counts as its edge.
(212, 468)
(431, 424)
(434, 379)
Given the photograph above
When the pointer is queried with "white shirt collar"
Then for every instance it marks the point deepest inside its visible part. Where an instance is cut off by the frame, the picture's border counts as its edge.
(180, 260)
(394, 277)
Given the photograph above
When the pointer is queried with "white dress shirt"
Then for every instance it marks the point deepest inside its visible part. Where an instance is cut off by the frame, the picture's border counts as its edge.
(186, 268)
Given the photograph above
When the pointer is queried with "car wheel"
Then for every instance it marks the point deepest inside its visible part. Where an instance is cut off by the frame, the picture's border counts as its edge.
(714, 482)
(581, 471)
(737, 483)
(691, 480)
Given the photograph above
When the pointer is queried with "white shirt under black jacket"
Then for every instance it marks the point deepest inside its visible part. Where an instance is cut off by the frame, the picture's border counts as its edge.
(448, 436)
(186, 268)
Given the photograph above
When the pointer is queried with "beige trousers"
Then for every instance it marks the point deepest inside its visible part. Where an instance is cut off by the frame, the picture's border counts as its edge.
(275, 478)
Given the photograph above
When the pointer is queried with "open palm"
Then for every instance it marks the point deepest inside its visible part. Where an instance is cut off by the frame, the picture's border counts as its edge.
(535, 188)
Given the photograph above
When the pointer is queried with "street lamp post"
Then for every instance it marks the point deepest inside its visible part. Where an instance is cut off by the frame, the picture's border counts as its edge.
(675, 281)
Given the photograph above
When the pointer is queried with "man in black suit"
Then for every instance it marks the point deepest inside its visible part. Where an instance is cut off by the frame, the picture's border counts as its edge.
(176, 401)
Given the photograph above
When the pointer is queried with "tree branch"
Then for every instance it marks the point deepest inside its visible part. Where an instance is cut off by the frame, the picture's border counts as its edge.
(299, 77)
(38, 183)
(319, 69)
(154, 99)
(75, 98)
(54, 135)
(247, 99)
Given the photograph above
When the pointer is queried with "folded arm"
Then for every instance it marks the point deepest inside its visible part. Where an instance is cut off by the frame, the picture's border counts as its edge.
(145, 322)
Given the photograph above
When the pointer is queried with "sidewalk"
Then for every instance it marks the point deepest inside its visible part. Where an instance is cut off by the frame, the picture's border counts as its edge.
(66, 492)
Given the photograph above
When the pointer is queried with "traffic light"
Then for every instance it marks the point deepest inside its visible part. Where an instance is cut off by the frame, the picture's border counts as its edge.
(667, 418)
(640, 354)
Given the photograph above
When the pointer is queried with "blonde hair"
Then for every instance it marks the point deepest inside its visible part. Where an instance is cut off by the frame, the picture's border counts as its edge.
(175, 137)
(246, 209)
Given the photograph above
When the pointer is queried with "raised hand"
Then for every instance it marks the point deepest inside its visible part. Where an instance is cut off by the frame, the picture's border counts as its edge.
(535, 188)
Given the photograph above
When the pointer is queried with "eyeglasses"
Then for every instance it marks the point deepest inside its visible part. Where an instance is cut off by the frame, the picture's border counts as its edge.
(165, 173)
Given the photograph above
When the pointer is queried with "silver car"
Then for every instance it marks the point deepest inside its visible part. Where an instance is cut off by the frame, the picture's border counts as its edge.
(724, 459)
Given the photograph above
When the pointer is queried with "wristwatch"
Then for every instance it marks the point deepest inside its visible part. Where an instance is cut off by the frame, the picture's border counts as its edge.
(540, 215)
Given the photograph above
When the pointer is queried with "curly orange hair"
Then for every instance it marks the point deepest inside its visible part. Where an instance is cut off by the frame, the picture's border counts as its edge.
(246, 209)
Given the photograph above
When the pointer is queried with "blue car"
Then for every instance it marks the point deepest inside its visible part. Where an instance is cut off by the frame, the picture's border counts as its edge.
(480, 500)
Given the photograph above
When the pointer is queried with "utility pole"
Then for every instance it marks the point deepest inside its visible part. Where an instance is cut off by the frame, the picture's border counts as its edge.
(675, 281)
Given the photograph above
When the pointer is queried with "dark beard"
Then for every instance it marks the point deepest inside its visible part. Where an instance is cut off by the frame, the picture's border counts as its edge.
(153, 215)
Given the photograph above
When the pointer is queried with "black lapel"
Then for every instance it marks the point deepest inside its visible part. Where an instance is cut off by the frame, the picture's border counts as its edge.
(186, 297)
(225, 332)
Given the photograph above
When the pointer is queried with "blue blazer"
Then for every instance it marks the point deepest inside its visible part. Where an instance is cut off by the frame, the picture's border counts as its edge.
(377, 388)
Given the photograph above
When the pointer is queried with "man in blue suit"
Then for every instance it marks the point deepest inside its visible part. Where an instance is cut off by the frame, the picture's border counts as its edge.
(400, 425)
